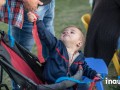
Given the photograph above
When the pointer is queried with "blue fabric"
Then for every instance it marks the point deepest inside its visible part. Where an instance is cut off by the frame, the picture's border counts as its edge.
(71, 79)
(12, 41)
(15, 86)
(100, 66)
(82, 85)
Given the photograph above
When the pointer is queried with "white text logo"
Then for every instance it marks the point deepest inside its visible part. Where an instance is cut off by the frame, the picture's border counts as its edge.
(112, 81)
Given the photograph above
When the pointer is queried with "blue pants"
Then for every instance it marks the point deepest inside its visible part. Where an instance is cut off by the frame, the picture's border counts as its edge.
(24, 36)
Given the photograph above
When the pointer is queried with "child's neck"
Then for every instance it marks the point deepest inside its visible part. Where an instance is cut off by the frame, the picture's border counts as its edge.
(71, 48)
(71, 51)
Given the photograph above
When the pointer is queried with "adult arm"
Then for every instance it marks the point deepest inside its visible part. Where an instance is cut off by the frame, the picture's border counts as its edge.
(46, 36)
(31, 5)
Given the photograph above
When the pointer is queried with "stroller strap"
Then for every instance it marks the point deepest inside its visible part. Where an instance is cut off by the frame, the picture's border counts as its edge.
(38, 43)
(12, 40)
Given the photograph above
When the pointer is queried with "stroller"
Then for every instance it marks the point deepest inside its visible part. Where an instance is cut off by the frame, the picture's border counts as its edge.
(25, 69)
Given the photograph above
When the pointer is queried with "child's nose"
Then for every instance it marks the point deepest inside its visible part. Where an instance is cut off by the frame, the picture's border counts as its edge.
(66, 32)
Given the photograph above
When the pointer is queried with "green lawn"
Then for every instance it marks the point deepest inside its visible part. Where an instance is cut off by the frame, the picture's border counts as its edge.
(69, 12)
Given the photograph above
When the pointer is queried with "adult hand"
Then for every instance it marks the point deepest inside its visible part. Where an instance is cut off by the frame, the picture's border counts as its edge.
(31, 5)
(2, 2)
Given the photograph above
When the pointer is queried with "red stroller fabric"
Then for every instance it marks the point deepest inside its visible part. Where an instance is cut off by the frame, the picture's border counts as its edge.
(21, 65)
(38, 43)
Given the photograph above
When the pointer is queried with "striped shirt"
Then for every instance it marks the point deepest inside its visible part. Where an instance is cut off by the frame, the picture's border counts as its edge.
(16, 13)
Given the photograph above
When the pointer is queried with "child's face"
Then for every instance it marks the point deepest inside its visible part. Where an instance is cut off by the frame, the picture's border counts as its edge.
(72, 36)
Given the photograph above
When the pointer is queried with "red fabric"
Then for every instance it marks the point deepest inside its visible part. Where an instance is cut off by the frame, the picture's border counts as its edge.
(94, 83)
(20, 65)
(77, 63)
(38, 43)
(61, 55)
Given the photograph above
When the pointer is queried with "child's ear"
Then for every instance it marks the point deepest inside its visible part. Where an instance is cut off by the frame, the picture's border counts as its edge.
(79, 44)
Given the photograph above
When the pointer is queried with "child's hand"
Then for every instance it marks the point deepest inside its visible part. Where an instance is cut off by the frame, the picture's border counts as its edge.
(98, 77)
(31, 17)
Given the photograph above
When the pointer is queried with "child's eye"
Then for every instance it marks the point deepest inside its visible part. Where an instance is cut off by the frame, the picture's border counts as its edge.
(72, 32)
(63, 33)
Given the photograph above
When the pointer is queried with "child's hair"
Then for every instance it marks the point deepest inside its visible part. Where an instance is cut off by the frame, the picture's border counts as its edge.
(82, 35)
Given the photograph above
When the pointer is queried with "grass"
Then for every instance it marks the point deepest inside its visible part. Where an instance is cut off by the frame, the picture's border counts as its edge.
(69, 12)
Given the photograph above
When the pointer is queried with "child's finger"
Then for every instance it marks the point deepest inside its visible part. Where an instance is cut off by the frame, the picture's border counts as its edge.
(99, 75)
(31, 17)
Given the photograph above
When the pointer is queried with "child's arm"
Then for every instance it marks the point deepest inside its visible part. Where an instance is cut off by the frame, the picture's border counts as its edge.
(87, 71)
(46, 36)
(90, 73)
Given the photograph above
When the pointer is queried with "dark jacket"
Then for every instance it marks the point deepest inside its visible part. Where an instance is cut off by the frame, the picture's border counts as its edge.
(103, 30)
(57, 65)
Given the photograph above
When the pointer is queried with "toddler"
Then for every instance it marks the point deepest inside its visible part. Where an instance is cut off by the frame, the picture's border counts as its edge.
(65, 54)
